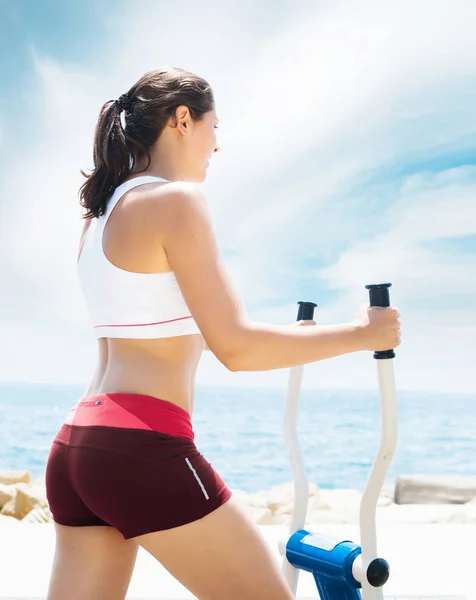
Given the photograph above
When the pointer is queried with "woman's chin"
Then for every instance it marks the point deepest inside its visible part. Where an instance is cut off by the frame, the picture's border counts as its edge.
(202, 176)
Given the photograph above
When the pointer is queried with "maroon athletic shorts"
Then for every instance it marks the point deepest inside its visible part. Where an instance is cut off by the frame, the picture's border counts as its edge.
(129, 461)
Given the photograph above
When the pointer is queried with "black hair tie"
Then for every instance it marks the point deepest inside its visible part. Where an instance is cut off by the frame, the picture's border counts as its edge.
(124, 102)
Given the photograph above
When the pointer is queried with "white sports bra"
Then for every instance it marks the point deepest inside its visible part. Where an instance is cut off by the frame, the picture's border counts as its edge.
(123, 304)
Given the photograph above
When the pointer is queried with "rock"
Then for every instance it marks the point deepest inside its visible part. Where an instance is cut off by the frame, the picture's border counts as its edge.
(283, 495)
(429, 489)
(339, 500)
(9, 509)
(280, 500)
(342, 506)
(241, 499)
(10, 477)
(263, 516)
(272, 507)
(334, 506)
(258, 514)
(8, 521)
(39, 514)
(7, 493)
(259, 499)
(27, 500)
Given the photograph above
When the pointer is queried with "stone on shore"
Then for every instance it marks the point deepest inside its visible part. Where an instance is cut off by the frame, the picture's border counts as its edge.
(39, 514)
(23, 499)
(431, 489)
(27, 500)
(9, 509)
(11, 477)
(257, 513)
(8, 521)
(7, 493)
(337, 507)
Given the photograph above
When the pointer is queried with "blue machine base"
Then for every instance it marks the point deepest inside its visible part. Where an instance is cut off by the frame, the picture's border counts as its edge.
(329, 560)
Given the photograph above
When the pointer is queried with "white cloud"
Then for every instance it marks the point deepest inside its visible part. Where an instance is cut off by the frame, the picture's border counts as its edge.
(313, 103)
(431, 207)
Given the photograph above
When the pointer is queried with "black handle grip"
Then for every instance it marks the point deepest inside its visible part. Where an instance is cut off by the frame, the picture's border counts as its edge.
(380, 296)
(306, 311)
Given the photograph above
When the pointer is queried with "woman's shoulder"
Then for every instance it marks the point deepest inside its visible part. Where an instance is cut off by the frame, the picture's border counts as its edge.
(176, 199)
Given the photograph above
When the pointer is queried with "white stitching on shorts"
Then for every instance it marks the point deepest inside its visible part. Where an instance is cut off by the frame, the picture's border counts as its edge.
(198, 479)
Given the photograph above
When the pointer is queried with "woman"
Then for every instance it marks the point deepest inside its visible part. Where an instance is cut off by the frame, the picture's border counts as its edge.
(123, 471)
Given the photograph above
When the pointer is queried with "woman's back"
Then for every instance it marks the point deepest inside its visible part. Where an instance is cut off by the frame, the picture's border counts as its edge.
(126, 276)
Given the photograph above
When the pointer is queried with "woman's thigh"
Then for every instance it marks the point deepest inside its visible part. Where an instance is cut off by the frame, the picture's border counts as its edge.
(91, 562)
(220, 556)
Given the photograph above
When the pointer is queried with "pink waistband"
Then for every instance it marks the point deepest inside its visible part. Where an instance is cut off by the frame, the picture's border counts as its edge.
(131, 411)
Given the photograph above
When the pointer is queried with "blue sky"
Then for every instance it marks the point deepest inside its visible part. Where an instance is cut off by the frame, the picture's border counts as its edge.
(348, 157)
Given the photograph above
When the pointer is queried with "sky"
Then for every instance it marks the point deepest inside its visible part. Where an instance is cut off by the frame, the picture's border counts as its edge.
(347, 137)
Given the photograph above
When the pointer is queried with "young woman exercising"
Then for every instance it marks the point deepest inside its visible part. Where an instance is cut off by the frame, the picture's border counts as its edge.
(123, 470)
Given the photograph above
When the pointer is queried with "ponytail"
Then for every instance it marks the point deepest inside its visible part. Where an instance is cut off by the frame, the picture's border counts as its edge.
(112, 161)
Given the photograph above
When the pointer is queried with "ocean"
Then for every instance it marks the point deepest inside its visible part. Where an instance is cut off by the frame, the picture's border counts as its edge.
(240, 433)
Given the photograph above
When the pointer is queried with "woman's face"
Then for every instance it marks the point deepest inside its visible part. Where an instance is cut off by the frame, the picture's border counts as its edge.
(199, 143)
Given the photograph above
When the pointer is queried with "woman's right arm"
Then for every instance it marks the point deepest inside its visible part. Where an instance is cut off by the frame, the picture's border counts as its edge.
(239, 343)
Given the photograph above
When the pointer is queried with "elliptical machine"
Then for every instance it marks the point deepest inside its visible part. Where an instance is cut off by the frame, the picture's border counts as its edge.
(342, 570)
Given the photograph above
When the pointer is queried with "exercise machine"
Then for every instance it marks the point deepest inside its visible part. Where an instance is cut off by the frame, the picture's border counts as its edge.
(342, 570)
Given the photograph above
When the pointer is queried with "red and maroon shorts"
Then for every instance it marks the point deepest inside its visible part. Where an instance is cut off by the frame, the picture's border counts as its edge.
(129, 461)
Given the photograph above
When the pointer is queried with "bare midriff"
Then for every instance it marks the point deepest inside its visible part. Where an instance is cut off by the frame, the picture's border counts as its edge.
(163, 368)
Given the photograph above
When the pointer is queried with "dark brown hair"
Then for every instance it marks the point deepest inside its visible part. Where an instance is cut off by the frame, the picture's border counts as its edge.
(148, 106)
